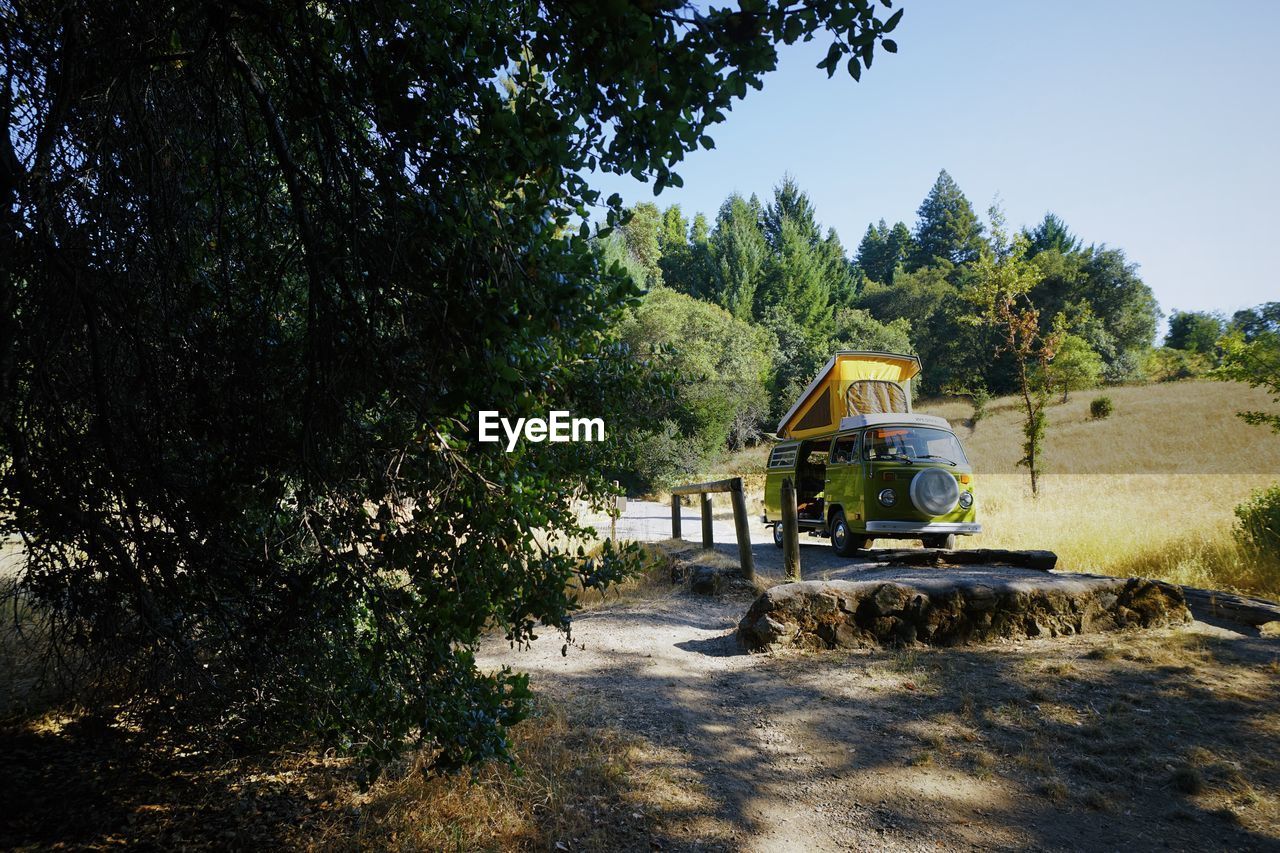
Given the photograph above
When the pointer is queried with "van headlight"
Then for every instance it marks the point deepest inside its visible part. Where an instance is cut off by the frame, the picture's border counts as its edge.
(888, 497)
(966, 499)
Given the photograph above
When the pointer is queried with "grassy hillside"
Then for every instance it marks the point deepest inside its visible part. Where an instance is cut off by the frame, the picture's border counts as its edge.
(1149, 491)
(1168, 428)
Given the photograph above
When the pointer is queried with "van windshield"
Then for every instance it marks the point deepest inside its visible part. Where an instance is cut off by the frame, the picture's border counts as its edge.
(914, 444)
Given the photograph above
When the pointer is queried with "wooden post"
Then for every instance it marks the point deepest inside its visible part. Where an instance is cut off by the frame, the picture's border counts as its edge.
(743, 531)
(790, 532)
(708, 541)
(676, 501)
(613, 513)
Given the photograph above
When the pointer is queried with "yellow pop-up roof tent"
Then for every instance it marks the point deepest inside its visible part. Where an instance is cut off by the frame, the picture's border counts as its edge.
(851, 383)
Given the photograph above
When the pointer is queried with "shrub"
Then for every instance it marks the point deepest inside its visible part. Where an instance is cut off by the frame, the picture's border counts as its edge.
(980, 397)
(1100, 408)
(1126, 366)
(1171, 365)
(1259, 520)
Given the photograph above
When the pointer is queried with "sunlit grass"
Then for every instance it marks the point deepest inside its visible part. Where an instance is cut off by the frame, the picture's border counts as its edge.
(1176, 527)
(1150, 491)
(1166, 428)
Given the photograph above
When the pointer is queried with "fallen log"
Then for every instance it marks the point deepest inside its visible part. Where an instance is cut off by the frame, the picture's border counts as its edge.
(1241, 609)
(1043, 561)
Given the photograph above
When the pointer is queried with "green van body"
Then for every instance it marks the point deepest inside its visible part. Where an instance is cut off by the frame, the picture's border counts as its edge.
(843, 480)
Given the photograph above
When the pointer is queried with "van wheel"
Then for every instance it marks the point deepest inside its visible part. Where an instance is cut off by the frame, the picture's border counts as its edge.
(946, 541)
(843, 540)
(777, 535)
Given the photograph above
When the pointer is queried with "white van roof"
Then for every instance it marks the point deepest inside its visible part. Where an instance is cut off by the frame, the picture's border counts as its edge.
(895, 418)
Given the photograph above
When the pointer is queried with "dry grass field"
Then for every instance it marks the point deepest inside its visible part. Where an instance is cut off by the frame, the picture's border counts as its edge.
(1149, 491)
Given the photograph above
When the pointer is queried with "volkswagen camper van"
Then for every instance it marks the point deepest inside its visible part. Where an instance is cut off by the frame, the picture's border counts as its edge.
(864, 466)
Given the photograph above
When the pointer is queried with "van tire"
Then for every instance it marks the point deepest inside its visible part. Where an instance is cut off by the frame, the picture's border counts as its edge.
(843, 540)
(777, 535)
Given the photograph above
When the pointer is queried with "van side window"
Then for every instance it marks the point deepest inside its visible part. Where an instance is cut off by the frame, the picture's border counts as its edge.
(844, 450)
(783, 456)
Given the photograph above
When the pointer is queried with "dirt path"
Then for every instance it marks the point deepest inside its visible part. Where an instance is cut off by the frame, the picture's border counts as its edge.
(1050, 744)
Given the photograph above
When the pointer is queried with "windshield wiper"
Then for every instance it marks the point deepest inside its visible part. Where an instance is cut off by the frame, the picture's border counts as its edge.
(936, 456)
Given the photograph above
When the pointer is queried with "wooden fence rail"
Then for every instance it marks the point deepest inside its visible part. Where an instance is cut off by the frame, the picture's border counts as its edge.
(741, 526)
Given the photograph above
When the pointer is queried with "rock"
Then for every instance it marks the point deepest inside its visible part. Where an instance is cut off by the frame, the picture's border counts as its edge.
(955, 608)
(704, 580)
(889, 598)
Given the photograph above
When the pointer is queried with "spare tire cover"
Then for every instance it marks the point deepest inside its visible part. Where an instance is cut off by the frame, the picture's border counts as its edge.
(934, 491)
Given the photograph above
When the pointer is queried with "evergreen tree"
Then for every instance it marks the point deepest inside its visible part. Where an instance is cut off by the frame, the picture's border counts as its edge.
(797, 281)
(674, 233)
(882, 249)
(842, 283)
(699, 231)
(642, 233)
(699, 274)
(790, 202)
(808, 273)
(678, 259)
(872, 251)
(738, 254)
(898, 247)
(947, 228)
(1051, 233)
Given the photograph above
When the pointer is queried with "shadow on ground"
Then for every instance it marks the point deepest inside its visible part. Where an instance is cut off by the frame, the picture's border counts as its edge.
(1135, 740)
(85, 784)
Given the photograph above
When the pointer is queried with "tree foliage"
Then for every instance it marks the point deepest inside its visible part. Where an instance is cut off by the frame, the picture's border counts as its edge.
(1257, 363)
(883, 249)
(1051, 234)
(262, 264)
(947, 229)
(720, 365)
(760, 260)
(1252, 322)
(643, 232)
(1194, 331)
(1076, 366)
(738, 253)
(1003, 281)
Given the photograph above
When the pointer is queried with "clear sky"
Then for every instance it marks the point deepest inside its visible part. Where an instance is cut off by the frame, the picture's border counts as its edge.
(1150, 125)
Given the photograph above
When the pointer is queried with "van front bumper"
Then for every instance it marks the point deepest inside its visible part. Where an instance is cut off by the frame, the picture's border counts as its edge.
(961, 527)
